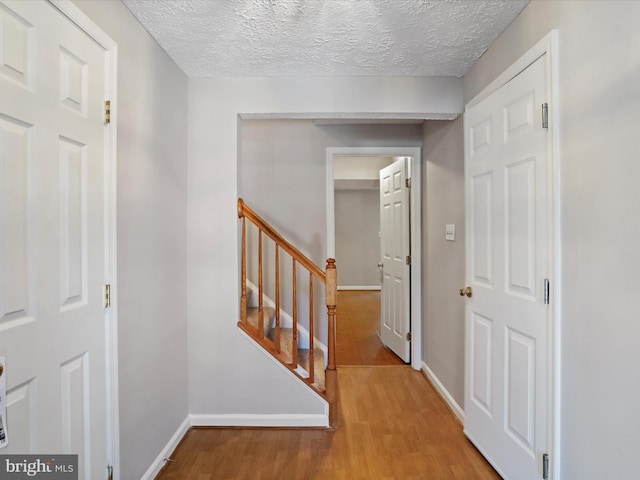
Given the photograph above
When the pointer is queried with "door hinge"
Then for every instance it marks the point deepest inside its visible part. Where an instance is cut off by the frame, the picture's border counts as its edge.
(546, 291)
(107, 296)
(109, 472)
(408, 260)
(107, 112)
(545, 115)
(408, 336)
(545, 466)
(407, 182)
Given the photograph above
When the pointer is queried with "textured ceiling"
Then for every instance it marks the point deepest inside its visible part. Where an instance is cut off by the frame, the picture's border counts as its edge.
(209, 38)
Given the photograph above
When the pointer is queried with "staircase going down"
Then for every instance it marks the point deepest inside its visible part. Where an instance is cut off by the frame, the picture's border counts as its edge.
(288, 322)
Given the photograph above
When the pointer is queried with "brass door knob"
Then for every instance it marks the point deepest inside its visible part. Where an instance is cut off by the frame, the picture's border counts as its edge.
(468, 291)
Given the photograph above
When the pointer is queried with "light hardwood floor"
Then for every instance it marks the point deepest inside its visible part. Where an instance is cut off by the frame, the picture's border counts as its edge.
(392, 425)
(358, 329)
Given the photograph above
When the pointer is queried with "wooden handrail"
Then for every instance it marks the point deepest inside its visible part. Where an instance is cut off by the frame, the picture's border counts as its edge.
(328, 278)
(245, 211)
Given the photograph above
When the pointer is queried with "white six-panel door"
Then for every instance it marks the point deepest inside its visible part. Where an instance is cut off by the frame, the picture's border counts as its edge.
(507, 208)
(52, 240)
(395, 248)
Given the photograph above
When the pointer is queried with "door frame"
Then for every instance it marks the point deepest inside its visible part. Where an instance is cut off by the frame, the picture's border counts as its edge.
(415, 195)
(76, 16)
(548, 47)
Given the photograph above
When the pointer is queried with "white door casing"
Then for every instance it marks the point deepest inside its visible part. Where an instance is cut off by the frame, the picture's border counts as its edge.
(507, 367)
(415, 198)
(56, 251)
(395, 251)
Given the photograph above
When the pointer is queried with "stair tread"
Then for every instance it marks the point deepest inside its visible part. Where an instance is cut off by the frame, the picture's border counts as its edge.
(286, 344)
(253, 317)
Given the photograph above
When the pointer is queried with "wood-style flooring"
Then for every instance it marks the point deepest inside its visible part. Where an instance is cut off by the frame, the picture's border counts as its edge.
(391, 425)
(358, 329)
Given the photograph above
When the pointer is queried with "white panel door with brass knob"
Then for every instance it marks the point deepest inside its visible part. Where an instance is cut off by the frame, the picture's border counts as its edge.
(507, 264)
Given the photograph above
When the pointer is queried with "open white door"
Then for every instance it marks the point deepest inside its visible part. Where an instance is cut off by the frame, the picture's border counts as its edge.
(395, 259)
(508, 263)
(53, 236)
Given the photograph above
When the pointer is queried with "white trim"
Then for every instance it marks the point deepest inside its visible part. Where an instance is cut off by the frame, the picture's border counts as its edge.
(415, 169)
(346, 118)
(76, 16)
(111, 217)
(168, 449)
(351, 287)
(259, 420)
(230, 420)
(547, 46)
(556, 267)
(444, 393)
(84, 23)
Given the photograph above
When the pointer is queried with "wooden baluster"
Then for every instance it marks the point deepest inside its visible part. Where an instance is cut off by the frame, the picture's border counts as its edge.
(294, 347)
(331, 283)
(311, 334)
(243, 298)
(277, 339)
(260, 310)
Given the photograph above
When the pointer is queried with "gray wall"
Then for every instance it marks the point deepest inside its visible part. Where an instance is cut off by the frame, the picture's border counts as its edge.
(598, 105)
(214, 107)
(357, 219)
(282, 171)
(282, 174)
(151, 223)
(443, 272)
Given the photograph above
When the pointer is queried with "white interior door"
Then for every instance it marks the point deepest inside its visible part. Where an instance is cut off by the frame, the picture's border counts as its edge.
(53, 235)
(508, 260)
(395, 251)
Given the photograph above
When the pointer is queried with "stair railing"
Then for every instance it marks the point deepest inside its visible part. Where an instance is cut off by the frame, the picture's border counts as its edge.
(327, 277)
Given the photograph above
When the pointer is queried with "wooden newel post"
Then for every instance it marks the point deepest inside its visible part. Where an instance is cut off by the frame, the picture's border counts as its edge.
(240, 208)
(331, 294)
(243, 286)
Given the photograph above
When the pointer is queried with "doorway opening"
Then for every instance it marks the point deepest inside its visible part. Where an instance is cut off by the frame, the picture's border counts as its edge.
(353, 197)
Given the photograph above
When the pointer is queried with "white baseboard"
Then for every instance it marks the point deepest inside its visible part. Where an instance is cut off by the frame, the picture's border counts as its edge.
(444, 393)
(252, 420)
(158, 463)
(352, 287)
(231, 420)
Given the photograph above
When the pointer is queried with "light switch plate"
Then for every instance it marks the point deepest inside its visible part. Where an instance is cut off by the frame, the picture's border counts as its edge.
(450, 232)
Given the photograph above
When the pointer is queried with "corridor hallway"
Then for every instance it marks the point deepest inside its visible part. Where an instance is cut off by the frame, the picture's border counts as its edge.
(392, 424)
